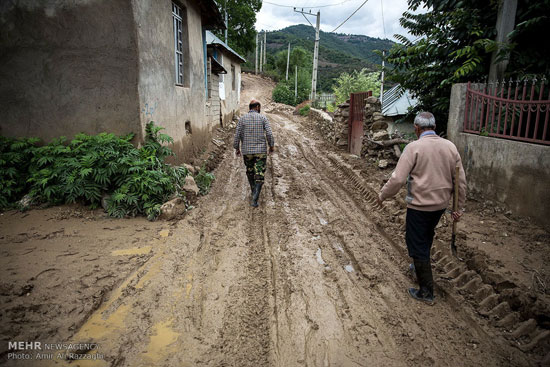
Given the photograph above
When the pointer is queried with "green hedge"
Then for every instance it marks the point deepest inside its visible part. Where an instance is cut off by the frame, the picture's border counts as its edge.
(137, 180)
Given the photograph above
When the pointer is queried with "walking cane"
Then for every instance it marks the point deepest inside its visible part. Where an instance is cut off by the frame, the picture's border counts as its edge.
(455, 209)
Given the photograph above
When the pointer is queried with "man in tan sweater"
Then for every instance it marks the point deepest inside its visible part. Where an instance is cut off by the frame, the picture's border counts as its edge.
(427, 165)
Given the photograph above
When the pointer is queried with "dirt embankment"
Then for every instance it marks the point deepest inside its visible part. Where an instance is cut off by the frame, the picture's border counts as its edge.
(316, 276)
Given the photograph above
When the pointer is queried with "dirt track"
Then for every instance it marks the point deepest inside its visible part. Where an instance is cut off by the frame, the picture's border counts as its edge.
(309, 278)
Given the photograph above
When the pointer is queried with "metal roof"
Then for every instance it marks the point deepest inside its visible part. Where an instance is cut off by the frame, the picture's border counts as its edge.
(211, 39)
(396, 101)
(217, 68)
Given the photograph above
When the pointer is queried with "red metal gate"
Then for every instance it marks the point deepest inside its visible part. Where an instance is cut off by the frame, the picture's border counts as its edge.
(355, 124)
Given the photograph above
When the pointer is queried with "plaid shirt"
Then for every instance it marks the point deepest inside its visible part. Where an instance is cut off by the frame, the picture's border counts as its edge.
(252, 130)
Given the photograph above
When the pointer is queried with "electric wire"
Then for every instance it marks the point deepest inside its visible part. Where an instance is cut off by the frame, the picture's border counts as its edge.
(306, 7)
(352, 14)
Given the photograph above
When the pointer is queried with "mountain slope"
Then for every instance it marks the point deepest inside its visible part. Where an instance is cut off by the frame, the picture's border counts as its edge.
(338, 52)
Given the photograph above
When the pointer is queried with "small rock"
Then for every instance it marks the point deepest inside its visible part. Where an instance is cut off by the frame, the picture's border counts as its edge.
(380, 135)
(25, 202)
(104, 199)
(382, 163)
(372, 100)
(190, 168)
(171, 209)
(379, 125)
(190, 185)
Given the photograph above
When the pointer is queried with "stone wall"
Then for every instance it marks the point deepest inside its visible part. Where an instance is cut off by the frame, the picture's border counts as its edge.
(341, 125)
(324, 123)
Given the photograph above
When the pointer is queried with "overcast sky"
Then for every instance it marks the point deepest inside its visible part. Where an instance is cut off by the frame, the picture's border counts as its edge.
(367, 21)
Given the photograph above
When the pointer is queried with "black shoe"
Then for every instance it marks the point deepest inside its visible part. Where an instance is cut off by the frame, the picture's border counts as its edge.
(256, 194)
(425, 293)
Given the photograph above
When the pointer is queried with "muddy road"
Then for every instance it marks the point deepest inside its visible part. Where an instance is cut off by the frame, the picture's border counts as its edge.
(310, 278)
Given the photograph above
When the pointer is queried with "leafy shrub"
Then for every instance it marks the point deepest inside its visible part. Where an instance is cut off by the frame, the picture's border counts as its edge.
(356, 82)
(204, 180)
(15, 156)
(283, 94)
(147, 181)
(304, 111)
(88, 167)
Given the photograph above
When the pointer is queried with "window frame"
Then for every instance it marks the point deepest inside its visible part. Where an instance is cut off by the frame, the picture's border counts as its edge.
(178, 12)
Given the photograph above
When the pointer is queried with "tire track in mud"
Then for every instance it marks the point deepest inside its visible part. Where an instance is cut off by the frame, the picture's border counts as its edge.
(332, 190)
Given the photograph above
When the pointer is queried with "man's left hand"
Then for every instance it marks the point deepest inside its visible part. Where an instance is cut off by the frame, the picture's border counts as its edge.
(379, 201)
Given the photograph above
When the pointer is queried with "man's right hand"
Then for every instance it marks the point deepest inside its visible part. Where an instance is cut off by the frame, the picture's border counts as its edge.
(271, 149)
(238, 152)
(456, 215)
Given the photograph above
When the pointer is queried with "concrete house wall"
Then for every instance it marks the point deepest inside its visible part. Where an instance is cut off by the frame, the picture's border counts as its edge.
(232, 86)
(512, 172)
(213, 103)
(180, 109)
(68, 66)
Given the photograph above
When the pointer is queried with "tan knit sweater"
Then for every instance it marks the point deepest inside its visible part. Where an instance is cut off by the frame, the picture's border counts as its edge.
(428, 166)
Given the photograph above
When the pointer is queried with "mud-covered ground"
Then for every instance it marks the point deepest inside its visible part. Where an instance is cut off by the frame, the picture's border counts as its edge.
(316, 276)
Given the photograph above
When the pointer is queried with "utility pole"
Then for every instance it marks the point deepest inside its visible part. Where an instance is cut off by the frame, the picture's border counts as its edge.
(382, 84)
(261, 55)
(265, 44)
(315, 52)
(256, 61)
(506, 20)
(225, 22)
(296, 84)
(287, 60)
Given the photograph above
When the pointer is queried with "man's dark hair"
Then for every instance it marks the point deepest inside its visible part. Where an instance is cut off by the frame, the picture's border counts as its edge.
(253, 105)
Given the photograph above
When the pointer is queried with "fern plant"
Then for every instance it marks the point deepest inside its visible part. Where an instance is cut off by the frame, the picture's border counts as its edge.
(15, 156)
(204, 180)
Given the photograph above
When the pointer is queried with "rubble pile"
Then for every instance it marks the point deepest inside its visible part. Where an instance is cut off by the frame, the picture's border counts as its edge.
(324, 123)
(377, 143)
(274, 107)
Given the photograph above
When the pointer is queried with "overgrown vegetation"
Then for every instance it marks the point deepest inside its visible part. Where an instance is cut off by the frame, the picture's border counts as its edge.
(133, 181)
(304, 111)
(284, 92)
(204, 180)
(356, 82)
(15, 157)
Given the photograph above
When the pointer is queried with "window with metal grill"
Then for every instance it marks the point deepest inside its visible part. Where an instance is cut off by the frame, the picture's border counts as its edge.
(177, 17)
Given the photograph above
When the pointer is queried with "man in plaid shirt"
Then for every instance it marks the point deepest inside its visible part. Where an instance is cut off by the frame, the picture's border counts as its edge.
(250, 140)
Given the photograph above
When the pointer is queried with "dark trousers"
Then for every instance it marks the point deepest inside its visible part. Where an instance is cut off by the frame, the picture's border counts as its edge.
(420, 232)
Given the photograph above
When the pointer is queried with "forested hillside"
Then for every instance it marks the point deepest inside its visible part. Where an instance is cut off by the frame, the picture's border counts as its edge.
(338, 52)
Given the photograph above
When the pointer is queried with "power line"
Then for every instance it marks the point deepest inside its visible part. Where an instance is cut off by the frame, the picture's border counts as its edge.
(352, 14)
(306, 7)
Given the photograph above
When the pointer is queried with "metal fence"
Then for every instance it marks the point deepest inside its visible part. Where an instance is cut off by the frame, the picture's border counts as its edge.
(323, 99)
(512, 110)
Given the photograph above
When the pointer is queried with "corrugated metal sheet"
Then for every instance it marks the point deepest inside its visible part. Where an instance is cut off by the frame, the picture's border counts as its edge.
(396, 101)
(211, 39)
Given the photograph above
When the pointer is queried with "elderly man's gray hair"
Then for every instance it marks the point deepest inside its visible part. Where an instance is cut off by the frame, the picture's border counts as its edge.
(424, 119)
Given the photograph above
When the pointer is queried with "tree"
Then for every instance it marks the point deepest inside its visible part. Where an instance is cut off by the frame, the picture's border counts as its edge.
(455, 40)
(356, 82)
(298, 57)
(241, 17)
